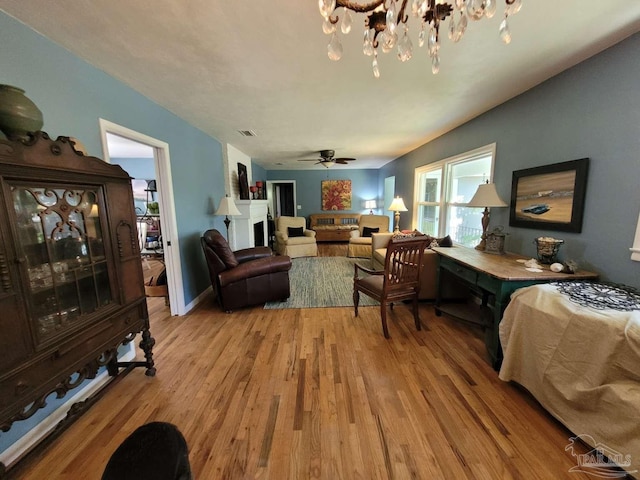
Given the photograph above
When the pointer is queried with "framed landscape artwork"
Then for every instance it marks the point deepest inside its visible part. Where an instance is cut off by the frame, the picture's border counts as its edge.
(549, 197)
(336, 194)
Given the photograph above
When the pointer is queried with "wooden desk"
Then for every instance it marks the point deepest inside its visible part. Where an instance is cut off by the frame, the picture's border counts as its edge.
(496, 277)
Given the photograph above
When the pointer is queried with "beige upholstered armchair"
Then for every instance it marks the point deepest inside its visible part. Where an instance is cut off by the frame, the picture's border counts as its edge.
(360, 241)
(293, 239)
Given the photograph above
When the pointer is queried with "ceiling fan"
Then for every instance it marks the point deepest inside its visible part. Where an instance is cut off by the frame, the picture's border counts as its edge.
(327, 159)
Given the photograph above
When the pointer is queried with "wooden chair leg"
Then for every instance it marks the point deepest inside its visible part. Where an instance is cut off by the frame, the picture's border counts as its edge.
(383, 316)
(416, 314)
(356, 300)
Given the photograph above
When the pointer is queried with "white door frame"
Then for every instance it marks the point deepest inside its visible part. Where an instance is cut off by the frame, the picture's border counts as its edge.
(170, 244)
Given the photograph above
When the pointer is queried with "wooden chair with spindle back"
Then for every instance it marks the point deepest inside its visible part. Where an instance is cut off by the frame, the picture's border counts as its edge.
(400, 279)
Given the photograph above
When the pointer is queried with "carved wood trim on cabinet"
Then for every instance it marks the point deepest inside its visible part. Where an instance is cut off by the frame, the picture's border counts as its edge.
(64, 313)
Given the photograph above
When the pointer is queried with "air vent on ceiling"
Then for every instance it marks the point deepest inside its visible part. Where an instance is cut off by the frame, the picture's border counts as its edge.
(247, 133)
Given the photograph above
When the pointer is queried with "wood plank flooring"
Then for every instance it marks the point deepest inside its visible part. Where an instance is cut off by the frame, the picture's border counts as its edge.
(318, 393)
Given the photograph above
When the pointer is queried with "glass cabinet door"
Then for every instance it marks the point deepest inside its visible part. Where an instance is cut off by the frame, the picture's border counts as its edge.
(61, 241)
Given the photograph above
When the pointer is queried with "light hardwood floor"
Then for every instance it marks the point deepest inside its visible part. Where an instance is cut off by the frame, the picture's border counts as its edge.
(318, 393)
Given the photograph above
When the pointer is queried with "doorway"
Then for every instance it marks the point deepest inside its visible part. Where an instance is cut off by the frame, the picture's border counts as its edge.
(162, 191)
(281, 195)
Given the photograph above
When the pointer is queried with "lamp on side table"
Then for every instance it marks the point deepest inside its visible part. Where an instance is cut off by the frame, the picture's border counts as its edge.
(397, 206)
(486, 196)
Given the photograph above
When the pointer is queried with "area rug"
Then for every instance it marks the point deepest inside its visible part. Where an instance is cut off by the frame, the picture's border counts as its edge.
(322, 282)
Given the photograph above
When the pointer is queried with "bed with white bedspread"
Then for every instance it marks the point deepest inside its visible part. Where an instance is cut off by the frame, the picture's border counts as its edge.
(577, 350)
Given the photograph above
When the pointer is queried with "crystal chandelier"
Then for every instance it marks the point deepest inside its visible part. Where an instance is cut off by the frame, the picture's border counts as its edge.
(386, 24)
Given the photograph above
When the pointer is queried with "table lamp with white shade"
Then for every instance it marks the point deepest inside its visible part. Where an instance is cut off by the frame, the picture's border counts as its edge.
(397, 206)
(370, 204)
(486, 196)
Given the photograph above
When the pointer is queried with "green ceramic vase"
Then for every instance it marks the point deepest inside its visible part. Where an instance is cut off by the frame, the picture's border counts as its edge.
(18, 114)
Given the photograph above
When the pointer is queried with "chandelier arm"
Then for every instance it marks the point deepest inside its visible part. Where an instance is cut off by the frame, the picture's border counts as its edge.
(375, 42)
(378, 21)
(402, 18)
(356, 7)
(438, 12)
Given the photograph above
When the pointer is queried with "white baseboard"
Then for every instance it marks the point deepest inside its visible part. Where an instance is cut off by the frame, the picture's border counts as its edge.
(193, 304)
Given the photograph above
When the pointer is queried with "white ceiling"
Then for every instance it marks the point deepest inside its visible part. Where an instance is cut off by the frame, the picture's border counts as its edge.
(262, 66)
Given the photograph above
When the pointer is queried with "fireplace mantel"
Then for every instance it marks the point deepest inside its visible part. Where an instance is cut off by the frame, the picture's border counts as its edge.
(252, 212)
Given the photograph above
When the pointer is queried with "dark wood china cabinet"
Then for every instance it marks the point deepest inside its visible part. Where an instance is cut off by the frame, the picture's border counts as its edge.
(71, 282)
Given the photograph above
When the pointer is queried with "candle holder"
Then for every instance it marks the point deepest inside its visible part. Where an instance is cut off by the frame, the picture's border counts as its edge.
(253, 190)
(259, 185)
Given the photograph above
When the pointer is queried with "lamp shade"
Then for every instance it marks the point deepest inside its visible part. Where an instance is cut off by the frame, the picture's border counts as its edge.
(397, 205)
(227, 207)
(370, 204)
(486, 196)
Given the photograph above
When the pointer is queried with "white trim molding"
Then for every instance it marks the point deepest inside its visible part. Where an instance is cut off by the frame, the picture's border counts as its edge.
(168, 218)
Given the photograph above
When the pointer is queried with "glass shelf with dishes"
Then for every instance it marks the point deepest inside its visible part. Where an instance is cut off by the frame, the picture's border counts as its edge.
(60, 235)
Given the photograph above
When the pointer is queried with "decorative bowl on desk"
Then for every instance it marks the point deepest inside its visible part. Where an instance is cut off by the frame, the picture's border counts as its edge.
(547, 249)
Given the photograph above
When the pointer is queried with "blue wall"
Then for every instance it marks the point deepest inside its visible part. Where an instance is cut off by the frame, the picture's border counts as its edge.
(73, 95)
(257, 173)
(591, 110)
(364, 186)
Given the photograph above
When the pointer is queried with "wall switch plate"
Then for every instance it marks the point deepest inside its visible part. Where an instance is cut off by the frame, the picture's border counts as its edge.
(299, 207)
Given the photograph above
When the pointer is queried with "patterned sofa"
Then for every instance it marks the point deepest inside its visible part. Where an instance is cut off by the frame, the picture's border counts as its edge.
(333, 227)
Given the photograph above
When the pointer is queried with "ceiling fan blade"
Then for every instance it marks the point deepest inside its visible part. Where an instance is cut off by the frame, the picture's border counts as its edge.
(327, 159)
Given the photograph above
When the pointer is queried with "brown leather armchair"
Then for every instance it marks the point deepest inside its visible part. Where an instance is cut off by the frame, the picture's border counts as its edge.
(246, 277)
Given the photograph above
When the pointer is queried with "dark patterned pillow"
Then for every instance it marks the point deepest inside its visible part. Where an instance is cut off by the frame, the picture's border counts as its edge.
(367, 231)
(415, 233)
(400, 235)
(445, 241)
(295, 231)
(440, 242)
